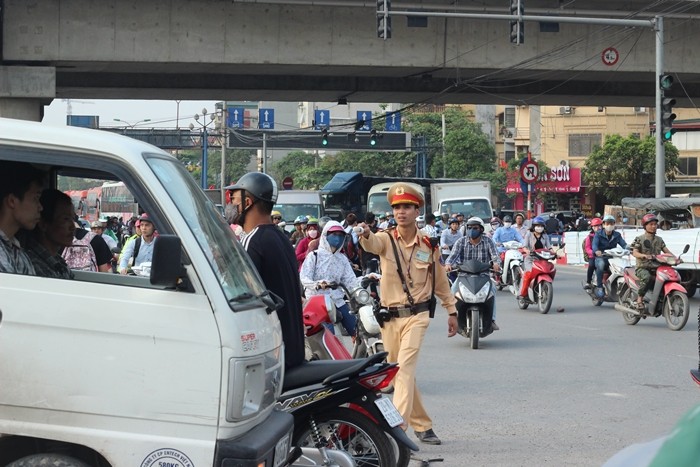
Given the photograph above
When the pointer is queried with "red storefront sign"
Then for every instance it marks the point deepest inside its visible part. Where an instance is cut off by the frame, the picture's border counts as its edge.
(559, 179)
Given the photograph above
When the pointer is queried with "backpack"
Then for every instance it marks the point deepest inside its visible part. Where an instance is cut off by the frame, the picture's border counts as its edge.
(583, 247)
(583, 224)
(80, 254)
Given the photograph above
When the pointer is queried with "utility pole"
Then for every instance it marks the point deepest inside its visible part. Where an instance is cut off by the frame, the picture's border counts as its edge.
(224, 140)
(660, 181)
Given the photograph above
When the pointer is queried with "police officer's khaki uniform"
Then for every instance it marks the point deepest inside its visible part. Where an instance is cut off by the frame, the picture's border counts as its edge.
(403, 335)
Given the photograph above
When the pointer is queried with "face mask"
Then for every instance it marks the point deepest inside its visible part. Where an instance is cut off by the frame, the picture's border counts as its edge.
(233, 216)
(313, 233)
(609, 228)
(335, 241)
(539, 229)
(494, 226)
(475, 233)
(507, 224)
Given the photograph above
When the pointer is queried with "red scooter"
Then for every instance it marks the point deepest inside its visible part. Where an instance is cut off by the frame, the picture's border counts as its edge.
(668, 296)
(538, 281)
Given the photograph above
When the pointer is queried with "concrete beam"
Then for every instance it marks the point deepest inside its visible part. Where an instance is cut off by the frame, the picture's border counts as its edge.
(19, 82)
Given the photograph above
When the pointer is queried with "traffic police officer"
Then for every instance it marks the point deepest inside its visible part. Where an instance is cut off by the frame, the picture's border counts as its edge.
(403, 334)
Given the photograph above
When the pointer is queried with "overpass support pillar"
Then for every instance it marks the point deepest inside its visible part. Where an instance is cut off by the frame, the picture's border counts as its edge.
(24, 91)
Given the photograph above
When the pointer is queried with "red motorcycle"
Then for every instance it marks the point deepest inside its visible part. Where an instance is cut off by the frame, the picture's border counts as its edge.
(668, 297)
(538, 281)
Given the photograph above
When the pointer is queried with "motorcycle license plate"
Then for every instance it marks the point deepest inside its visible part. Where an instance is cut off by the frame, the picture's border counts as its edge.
(391, 415)
(282, 450)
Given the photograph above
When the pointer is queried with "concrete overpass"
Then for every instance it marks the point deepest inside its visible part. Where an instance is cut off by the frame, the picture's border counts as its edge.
(326, 50)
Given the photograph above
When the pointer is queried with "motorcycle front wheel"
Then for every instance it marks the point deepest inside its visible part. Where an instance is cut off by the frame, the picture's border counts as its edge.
(545, 295)
(349, 431)
(474, 335)
(676, 310)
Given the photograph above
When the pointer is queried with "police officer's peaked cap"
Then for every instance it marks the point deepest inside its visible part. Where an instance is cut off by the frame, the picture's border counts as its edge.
(403, 193)
(260, 185)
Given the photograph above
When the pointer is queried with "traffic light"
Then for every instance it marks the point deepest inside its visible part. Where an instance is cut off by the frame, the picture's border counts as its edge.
(667, 118)
(373, 138)
(383, 19)
(517, 28)
(665, 82)
(324, 137)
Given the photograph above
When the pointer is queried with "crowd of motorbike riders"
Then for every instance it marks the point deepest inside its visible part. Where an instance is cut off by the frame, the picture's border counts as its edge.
(336, 256)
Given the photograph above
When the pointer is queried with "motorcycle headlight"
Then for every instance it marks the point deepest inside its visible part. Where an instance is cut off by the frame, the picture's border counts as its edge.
(362, 296)
(482, 295)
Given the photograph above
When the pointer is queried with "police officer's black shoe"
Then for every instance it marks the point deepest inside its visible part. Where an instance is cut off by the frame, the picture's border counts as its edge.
(428, 437)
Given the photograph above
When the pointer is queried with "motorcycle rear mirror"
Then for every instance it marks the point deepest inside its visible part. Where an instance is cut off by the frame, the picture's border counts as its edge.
(685, 250)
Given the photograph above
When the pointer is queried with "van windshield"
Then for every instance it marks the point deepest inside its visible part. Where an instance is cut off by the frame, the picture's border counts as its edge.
(292, 211)
(225, 255)
(378, 203)
(469, 207)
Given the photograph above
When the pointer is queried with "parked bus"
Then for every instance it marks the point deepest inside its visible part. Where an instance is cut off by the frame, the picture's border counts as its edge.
(117, 201)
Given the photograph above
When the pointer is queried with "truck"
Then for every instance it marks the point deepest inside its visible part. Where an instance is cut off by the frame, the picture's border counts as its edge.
(377, 201)
(471, 198)
(294, 203)
(179, 368)
(349, 192)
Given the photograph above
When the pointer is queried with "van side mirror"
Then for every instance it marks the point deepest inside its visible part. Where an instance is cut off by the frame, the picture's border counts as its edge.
(166, 266)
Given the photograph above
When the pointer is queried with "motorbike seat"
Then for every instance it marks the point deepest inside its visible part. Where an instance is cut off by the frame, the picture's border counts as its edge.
(315, 372)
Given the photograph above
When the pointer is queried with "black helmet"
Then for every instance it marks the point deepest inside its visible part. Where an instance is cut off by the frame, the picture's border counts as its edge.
(260, 185)
(507, 219)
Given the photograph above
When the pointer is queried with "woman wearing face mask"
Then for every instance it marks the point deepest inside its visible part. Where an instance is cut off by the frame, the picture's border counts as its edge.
(536, 239)
(329, 264)
(302, 248)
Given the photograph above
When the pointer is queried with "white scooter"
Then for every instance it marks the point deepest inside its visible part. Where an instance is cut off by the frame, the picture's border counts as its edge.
(512, 266)
(618, 260)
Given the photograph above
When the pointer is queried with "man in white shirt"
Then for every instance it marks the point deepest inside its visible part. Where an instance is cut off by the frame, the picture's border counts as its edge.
(141, 248)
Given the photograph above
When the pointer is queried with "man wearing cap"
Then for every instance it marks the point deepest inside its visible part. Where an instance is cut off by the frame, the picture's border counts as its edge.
(141, 249)
(252, 199)
(409, 307)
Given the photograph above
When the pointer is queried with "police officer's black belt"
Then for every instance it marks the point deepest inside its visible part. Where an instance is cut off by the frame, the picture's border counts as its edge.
(406, 311)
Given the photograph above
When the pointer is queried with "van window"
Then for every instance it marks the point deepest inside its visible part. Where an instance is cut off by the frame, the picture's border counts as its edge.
(292, 211)
(230, 263)
(470, 208)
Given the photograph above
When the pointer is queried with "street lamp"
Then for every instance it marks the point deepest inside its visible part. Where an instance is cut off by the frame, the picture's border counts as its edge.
(132, 125)
(205, 141)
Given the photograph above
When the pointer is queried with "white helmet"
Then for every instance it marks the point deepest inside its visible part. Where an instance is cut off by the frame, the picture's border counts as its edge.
(436, 213)
(475, 221)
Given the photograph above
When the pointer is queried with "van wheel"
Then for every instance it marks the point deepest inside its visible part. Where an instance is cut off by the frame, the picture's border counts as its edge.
(47, 460)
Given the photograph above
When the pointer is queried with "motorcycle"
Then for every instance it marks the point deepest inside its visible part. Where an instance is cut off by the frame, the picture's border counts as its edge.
(320, 314)
(540, 290)
(512, 266)
(475, 294)
(668, 297)
(368, 336)
(340, 416)
(613, 277)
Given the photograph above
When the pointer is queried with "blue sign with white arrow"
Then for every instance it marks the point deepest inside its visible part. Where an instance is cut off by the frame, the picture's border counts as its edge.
(266, 119)
(393, 121)
(236, 117)
(322, 119)
(364, 117)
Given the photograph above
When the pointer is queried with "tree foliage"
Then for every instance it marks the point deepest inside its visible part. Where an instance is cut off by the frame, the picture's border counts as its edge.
(626, 166)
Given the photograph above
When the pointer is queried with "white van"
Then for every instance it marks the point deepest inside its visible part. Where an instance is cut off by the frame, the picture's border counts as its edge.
(294, 203)
(179, 369)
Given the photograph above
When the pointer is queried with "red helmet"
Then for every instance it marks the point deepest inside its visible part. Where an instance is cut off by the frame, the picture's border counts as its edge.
(649, 218)
(596, 221)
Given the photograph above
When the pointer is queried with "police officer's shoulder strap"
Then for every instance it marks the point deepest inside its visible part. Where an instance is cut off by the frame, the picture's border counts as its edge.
(400, 271)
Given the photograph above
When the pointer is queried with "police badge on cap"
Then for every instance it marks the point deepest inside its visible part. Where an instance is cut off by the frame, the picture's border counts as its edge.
(405, 193)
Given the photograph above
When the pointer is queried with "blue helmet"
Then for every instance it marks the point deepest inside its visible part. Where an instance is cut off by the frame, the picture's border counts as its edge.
(301, 220)
(538, 220)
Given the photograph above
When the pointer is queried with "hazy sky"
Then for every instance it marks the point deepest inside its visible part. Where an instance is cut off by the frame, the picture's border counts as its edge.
(163, 114)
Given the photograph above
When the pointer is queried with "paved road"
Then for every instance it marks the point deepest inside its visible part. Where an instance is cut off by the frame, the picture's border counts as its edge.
(563, 389)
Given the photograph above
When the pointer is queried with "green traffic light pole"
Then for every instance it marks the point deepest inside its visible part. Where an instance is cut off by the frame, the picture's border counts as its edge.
(660, 181)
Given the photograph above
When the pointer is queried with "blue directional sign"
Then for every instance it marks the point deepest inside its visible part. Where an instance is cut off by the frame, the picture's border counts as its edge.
(322, 119)
(364, 116)
(393, 121)
(236, 117)
(266, 119)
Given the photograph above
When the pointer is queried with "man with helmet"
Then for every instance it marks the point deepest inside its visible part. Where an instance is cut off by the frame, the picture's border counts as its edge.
(299, 227)
(645, 269)
(449, 237)
(252, 199)
(605, 239)
(506, 233)
(588, 255)
(411, 278)
(475, 245)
